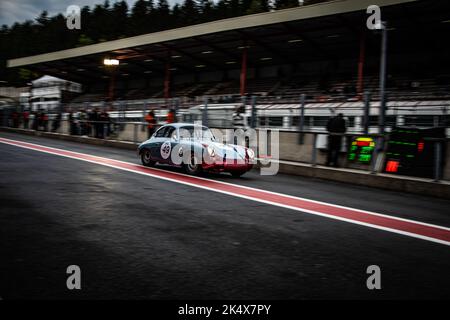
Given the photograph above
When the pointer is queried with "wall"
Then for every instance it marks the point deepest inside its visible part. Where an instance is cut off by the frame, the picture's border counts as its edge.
(289, 148)
(446, 171)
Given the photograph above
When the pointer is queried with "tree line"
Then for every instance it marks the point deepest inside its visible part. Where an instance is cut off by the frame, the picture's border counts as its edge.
(104, 22)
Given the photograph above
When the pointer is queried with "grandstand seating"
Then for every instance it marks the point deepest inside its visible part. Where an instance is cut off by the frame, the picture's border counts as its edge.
(339, 87)
(140, 94)
(262, 86)
(88, 97)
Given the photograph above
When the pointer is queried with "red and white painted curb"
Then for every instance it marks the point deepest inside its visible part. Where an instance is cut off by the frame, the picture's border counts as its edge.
(411, 228)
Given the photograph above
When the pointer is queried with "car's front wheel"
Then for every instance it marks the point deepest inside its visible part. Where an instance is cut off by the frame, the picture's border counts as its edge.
(194, 167)
(146, 158)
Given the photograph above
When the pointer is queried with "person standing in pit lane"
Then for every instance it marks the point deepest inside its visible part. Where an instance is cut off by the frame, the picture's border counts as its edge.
(56, 122)
(171, 117)
(35, 121)
(45, 121)
(336, 127)
(26, 118)
(103, 120)
(151, 123)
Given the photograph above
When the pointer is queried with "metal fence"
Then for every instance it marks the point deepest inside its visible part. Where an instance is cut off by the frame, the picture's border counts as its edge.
(291, 113)
(305, 146)
(297, 115)
(294, 113)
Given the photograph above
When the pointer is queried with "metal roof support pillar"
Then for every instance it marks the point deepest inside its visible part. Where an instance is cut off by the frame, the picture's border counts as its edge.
(382, 112)
(362, 58)
(111, 85)
(177, 105)
(253, 119)
(244, 71)
(205, 112)
(366, 119)
(167, 79)
(301, 119)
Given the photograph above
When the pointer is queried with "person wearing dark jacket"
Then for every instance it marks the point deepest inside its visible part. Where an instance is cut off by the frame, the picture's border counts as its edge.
(26, 118)
(40, 120)
(91, 125)
(103, 120)
(335, 127)
(45, 121)
(72, 124)
(15, 119)
(56, 122)
(35, 125)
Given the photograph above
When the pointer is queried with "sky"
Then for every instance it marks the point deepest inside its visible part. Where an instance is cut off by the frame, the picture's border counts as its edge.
(20, 10)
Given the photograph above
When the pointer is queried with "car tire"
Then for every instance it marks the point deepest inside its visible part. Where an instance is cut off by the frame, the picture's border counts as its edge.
(194, 167)
(146, 158)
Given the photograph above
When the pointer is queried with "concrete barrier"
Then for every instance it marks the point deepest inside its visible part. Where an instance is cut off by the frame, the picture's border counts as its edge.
(82, 139)
(446, 169)
(420, 186)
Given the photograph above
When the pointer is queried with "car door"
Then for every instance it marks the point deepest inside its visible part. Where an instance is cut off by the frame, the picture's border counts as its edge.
(168, 142)
(156, 143)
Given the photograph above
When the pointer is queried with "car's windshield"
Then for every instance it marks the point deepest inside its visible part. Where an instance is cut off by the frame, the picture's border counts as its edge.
(196, 132)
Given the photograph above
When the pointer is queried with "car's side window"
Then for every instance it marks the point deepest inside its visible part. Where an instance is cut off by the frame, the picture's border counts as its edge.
(160, 133)
(169, 131)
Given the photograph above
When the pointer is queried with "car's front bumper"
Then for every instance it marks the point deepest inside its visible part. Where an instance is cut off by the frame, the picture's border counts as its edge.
(229, 165)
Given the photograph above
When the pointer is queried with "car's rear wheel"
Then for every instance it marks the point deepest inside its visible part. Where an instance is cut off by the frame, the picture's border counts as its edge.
(194, 167)
(146, 158)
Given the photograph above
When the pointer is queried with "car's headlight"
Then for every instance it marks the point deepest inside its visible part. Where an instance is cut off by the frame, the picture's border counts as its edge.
(211, 151)
(250, 153)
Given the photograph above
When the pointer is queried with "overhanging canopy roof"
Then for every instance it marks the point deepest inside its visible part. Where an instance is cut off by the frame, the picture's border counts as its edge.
(326, 31)
(250, 21)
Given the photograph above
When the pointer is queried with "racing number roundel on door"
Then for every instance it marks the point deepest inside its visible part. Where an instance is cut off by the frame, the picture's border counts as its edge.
(165, 150)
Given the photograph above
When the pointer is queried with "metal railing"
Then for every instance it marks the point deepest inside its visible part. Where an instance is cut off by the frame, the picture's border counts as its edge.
(137, 132)
(302, 115)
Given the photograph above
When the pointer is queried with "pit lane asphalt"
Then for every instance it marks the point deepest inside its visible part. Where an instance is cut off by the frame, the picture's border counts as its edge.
(143, 238)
